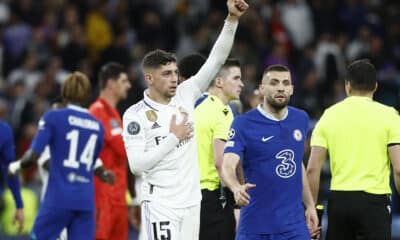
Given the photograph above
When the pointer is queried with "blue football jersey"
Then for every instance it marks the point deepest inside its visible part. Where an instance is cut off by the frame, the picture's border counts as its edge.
(271, 153)
(75, 139)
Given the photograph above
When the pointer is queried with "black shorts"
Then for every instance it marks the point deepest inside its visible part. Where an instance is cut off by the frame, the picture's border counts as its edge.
(357, 215)
(217, 220)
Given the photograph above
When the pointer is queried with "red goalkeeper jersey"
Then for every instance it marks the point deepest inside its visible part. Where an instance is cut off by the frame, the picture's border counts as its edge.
(113, 153)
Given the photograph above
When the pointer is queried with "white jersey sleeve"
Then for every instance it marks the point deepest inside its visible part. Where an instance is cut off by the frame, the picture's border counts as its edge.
(198, 83)
(134, 138)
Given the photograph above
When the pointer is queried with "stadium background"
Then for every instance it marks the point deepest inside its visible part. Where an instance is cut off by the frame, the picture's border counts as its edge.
(43, 40)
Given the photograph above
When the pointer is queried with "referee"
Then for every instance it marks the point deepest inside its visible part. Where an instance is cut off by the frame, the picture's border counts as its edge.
(360, 136)
(213, 118)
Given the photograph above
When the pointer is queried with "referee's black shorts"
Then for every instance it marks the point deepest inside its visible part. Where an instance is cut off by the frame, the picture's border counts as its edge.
(217, 222)
(357, 215)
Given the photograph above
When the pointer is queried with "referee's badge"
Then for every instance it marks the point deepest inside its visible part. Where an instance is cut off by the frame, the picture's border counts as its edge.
(297, 135)
(151, 115)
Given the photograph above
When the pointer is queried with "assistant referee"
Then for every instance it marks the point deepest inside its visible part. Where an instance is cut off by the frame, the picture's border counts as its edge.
(359, 135)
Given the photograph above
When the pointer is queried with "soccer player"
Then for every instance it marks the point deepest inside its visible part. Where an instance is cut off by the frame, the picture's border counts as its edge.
(111, 207)
(359, 135)
(213, 118)
(104, 175)
(75, 139)
(158, 136)
(7, 155)
(269, 143)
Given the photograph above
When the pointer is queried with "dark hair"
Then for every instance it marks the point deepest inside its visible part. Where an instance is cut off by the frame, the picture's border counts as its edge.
(276, 68)
(76, 88)
(230, 62)
(362, 75)
(156, 58)
(110, 70)
(190, 65)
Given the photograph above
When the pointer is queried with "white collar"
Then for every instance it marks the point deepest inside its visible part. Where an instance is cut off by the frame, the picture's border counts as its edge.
(77, 108)
(269, 115)
(153, 104)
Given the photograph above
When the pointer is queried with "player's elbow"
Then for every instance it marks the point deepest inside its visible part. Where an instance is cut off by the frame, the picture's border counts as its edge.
(136, 167)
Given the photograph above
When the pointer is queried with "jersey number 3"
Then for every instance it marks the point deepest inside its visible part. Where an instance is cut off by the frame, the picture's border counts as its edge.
(287, 167)
(87, 154)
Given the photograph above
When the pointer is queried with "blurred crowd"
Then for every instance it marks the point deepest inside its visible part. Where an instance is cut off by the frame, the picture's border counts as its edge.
(43, 40)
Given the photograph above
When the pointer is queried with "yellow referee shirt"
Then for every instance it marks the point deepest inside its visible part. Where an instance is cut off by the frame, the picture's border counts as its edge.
(356, 132)
(212, 121)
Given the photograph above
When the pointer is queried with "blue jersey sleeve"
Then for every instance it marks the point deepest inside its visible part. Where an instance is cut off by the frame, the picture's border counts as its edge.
(8, 155)
(235, 143)
(44, 133)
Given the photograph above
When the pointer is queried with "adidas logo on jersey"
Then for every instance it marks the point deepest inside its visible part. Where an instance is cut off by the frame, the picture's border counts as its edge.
(155, 125)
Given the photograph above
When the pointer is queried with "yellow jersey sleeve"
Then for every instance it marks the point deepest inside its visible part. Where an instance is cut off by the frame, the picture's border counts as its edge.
(222, 124)
(318, 137)
(394, 128)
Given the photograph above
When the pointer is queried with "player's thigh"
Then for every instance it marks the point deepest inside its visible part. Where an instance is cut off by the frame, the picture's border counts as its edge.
(340, 225)
(160, 222)
(103, 221)
(50, 222)
(82, 226)
(119, 216)
(191, 223)
(229, 224)
(376, 220)
(297, 234)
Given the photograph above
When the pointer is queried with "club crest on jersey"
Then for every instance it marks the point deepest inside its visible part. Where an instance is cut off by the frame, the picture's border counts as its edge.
(231, 133)
(151, 115)
(297, 135)
(133, 128)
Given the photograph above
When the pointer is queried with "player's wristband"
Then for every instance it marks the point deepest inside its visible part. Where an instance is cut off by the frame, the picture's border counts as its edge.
(134, 202)
(14, 167)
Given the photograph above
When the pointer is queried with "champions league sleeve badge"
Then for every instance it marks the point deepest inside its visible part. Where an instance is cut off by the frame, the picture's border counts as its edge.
(133, 128)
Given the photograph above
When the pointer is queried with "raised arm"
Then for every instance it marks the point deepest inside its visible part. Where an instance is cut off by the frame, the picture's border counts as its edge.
(222, 46)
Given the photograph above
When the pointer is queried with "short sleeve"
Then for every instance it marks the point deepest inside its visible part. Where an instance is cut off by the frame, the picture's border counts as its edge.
(222, 125)
(235, 143)
(394, 128)
(318, 137)
(44, 133)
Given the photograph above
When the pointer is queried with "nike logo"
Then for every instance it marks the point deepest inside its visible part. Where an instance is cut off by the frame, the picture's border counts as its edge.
(264, 139)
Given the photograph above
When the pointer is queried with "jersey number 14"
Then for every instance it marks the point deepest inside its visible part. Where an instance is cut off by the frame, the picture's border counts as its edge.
(87, 154)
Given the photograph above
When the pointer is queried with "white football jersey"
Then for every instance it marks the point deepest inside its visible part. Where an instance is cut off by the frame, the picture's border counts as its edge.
(169, 167)
(174, 180)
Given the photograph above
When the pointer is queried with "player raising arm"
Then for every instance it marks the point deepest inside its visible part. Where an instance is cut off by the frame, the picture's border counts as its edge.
(158, 137)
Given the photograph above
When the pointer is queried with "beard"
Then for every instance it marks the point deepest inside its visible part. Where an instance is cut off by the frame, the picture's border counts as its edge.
(277, 105)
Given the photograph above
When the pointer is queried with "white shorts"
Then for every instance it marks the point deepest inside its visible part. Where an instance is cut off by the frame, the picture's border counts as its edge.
(160, 222)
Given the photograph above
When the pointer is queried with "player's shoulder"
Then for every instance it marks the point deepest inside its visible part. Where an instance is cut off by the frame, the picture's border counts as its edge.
(5, 130)
(297, 112)
(4, 126)
(96, 106)
(135, 109)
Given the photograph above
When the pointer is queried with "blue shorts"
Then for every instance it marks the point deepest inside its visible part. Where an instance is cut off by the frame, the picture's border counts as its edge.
(292, 235)
(50, 222)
